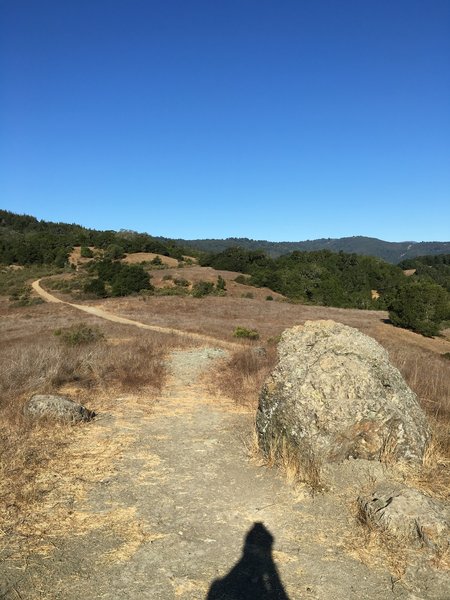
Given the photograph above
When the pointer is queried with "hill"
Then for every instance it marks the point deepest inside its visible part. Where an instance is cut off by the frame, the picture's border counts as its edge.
(392, 252)
(25, 240)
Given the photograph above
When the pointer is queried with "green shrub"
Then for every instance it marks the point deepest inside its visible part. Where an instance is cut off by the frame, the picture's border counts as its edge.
(156, 261)
(221, 284)
(129, 280)
(96, 287)
(202, 288)
(446, 355)
(269, 298)
(86, 252)
(421, 307)
(79, 334)
(114, 252)
(243, 332)
(181, 282)
(167, 278)
(242, 279)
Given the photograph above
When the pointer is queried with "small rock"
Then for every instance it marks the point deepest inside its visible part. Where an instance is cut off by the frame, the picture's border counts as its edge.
(407, 513)
(56, 407)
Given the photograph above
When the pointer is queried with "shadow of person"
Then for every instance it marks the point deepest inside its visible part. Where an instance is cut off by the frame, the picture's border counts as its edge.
(255, 576)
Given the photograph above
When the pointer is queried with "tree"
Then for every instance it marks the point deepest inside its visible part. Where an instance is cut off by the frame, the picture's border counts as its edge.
(129, 280)
(421, 307)
(114, 252)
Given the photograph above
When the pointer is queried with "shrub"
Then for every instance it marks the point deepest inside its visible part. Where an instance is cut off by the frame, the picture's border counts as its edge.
(202, 288)
(269, 297)
(248, 295)
(156, 261)
(420, 307)
(181, 282)
(129, 280)
(96, 287)
(79, 334)
(221, 283)
(114, 252)
(167, 278)
(86, 252)
(243, 332)
(242, 279)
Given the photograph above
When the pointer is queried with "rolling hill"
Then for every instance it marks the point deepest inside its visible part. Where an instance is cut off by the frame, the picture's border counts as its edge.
(392, 252)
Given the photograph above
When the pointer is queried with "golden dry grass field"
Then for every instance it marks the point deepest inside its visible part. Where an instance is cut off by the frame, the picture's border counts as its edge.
(132, 361)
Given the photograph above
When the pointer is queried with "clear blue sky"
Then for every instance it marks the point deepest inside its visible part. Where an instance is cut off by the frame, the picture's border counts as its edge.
(279, 120)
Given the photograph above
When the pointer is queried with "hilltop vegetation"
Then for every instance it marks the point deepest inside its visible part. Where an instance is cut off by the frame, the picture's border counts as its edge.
(347, 281)
(24, 240)
(430, 268)
(322, 277)
(392, 252)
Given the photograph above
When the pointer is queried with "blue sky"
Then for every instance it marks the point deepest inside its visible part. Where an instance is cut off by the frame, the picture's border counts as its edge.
(279, 120)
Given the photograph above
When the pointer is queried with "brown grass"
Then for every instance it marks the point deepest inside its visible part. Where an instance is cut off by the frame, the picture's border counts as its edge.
(35, 361)
(241, 376)
(38, 363)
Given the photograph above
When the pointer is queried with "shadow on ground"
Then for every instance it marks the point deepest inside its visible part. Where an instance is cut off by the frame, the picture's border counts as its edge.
(255, 576)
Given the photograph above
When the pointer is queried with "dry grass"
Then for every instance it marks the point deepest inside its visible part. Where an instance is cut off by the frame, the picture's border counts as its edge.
(35, 361)
(241, 376)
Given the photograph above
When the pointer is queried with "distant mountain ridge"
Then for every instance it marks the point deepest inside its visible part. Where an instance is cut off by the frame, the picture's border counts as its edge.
(392, 252)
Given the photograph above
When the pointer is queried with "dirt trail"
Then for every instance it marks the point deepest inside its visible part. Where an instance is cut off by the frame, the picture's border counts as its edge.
(168, 497)
(171, 514)
(103, 314)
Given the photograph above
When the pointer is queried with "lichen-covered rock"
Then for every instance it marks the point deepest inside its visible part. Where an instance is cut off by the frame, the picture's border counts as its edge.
(335, 394)
(56, 407)
(407, 513)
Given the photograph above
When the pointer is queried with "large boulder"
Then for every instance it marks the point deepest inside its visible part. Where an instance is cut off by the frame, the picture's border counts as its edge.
(335, 395)
(59, 408)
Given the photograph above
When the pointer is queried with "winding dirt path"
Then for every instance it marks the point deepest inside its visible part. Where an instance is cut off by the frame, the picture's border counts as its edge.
(103, 314)
(172, 507)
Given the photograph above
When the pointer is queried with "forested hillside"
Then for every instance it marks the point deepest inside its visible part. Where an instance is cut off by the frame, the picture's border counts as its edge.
(430, 268)
(346, 280)
(322, 277)
(25, 240)
(392, 252)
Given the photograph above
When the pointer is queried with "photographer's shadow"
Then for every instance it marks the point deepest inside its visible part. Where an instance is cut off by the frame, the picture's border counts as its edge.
(255, 576)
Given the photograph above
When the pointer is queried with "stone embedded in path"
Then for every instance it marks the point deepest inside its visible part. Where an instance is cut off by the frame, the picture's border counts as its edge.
(335, 394)
(56, 407)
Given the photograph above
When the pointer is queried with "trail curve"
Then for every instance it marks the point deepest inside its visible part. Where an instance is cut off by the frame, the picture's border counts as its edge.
(103, 314)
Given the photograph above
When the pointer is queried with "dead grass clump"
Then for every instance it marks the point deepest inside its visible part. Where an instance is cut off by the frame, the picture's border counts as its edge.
(79, 334)
(241, 376)
(372, 544)
(428, 375)
(297, 460)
